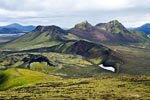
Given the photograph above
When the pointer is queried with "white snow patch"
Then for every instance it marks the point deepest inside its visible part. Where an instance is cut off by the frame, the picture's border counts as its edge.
(107, 68)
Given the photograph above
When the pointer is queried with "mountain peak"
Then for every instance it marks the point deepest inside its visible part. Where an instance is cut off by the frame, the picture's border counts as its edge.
(116, 27)
(83, 25)
(47, 28)
(14, 25)
(50, 29)
(114, 22)
(84, 22)
(113, 26)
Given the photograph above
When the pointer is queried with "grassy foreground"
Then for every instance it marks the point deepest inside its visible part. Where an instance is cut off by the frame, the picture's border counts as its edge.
(17, 77)
(102, 88)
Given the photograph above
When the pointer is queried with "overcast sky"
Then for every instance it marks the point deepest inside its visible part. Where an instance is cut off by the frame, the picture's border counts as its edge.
(67, 13)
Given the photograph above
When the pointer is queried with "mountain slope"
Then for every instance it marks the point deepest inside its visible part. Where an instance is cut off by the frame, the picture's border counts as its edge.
(40, 37)
(141, 35)
(112, 32)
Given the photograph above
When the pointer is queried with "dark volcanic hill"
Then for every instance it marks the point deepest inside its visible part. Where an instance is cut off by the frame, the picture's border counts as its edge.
(111, 32)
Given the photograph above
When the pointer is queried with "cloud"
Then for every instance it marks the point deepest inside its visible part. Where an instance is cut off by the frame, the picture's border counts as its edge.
(103, 5)
(68, 12)
(62, 4)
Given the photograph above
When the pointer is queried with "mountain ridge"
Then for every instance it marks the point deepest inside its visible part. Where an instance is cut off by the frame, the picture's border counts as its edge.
(15, 26)
(144, 28)
(112, 32)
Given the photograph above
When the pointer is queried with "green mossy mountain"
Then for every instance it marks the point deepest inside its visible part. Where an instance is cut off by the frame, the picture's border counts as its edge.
(42, 36)
(141, 35)
(114, 27)
(83, 25)
(112, 32)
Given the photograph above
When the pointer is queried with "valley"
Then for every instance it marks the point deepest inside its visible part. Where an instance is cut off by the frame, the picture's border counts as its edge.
(105, 61)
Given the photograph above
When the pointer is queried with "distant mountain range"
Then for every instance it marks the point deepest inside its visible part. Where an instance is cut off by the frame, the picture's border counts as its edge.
(15, 29)
(112, 32)
(144, 28)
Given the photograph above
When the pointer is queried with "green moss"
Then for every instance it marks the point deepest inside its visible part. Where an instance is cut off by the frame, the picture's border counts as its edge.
(116, 27)
(2, 67)
(94, 49)
(96, 60)
(42, 67)
(99, 88)
(103, 28)
(63, 47)
(19, 63)
(83, 25)
(18, 77)
(71, 37)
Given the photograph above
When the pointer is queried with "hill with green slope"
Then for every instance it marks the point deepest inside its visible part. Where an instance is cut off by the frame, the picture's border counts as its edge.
(142, 35)
(17, 77)
(83, 25)
(114, 27)
(42, 36)
(112, 32)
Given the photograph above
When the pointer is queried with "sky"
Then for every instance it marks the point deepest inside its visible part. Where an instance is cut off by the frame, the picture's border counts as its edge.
(67, 13)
